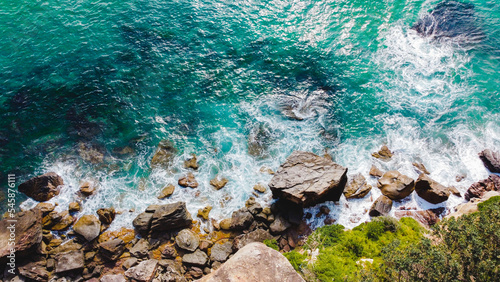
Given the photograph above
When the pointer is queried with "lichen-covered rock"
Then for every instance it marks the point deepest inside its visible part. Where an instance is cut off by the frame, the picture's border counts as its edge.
(308, 179)
(357, 188)
(187, 240)
(491, 160)
(255, 262)
(395, 185)
(430, 190)
(381, 206)
(203, 213)
(88, 226)
(43, 187)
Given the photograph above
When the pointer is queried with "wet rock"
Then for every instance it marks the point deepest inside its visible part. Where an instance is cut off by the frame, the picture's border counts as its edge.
(164, 155)
(357, 188)
(255, 262)
(218, 183)
(384, 153)
(260, 188)
(220, 252)
(69, 261)
(197, 258)
(187, 240)
(478, 189)
(112, 249)
(395, 185)
(140, 249)
(203, 213)
(188, 181)
(88, 188)
(308, 179)
(74, 207)
(144, 271)
(241, 220)
(374, 171)
(191, 162)
(28, 231)
(259, 140)
(113, 278)
(323, 210)
(420, 167)
(90, 153)
(460, 177)
(66, 220)
(107, 215)
(35, 271)
(491, 160)
(430, 190)
(258, 235)
(42, 188)
(167, 191)
(381, 206)
(45, 207)
(88, 226)
(279, 225)
(170, 216)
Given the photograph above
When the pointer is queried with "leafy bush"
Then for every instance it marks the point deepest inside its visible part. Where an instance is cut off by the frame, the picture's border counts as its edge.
(296, 259)
(273, 244)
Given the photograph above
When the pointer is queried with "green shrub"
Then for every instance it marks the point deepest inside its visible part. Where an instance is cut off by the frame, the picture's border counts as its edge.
(273, 244)
(490, 202)
(296, 259)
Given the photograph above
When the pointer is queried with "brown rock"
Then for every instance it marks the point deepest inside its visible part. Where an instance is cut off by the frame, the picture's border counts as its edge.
(42, 188)
(357, 188)
(430, 190)
(69, 261)
(308, 179)
(90, 153)
(191, 163)
(144, 271)
(427, 217)
(258, 235)
(188, 181)
(167, 191)
(74, 207)
(384, 153)
(395, 185)
(45, 207)
(203, 213)
(218, 183)
(88, 188)
(225, 224)
(381, 206)
(197, 258)
(170, 216)
(164, 155)
(374, 171)
(88, 226)
(420, 167)
(35, 271)
(106, 216)
(260, 188)
(169, 252)
(112, 249)
(491, 160)
(255, 262)
(27, 230)
(64, 223)
(240, 220)
(478, 189)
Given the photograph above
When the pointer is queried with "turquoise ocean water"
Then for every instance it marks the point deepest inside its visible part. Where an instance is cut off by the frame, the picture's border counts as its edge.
(342, 77)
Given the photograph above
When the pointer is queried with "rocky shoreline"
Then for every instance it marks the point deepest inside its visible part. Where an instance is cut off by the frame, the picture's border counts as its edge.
(169, 244)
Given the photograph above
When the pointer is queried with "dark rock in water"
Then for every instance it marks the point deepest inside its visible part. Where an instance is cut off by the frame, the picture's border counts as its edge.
(491, 160)
(259, 140)
(171, 216)
(90, 153)
(381, 206)
(42, 188)
(357, 188)
(307, 179)
(106, 216)
(164, 155)
(450, 19)
(395, 185)
(255, 262)
(478, 189)
(28, 230)
(430, 190)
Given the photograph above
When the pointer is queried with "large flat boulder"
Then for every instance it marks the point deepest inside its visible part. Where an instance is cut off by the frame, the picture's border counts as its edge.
(27, 228)
(430, 190)
(307, 179)
(255, 262)
(144, 271)
(171, 216)
(43, 187)
(491, 160)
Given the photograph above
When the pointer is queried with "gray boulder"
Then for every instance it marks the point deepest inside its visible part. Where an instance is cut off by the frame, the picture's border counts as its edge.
(381, 206)
(307, 179)
(255, 262)
(198, 258)
(491, 160)
(113, 278)
(395, 185)
(43, 187)
(187, 240)
(280, 224)
(144, 271)
(140, 249)
(220, 252)
(241, 219)
(88, 226)
(357, 188)
(68, 261)
(170, 216)
(258, 235)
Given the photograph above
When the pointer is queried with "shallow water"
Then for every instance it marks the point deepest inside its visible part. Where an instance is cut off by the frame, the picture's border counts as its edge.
(209, 74)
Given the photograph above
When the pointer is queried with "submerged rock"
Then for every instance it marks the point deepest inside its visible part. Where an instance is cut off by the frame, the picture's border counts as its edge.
(395, 185)
(478, 189)
(255, 262)
(42, 188)
(218, 183)
(381, 206)
(308, 179)
(357, 188)
(491, 160)
(164, 155)
(259, 140)
(430, 190)
(188, 181)
(90, 153)
(384, 153)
